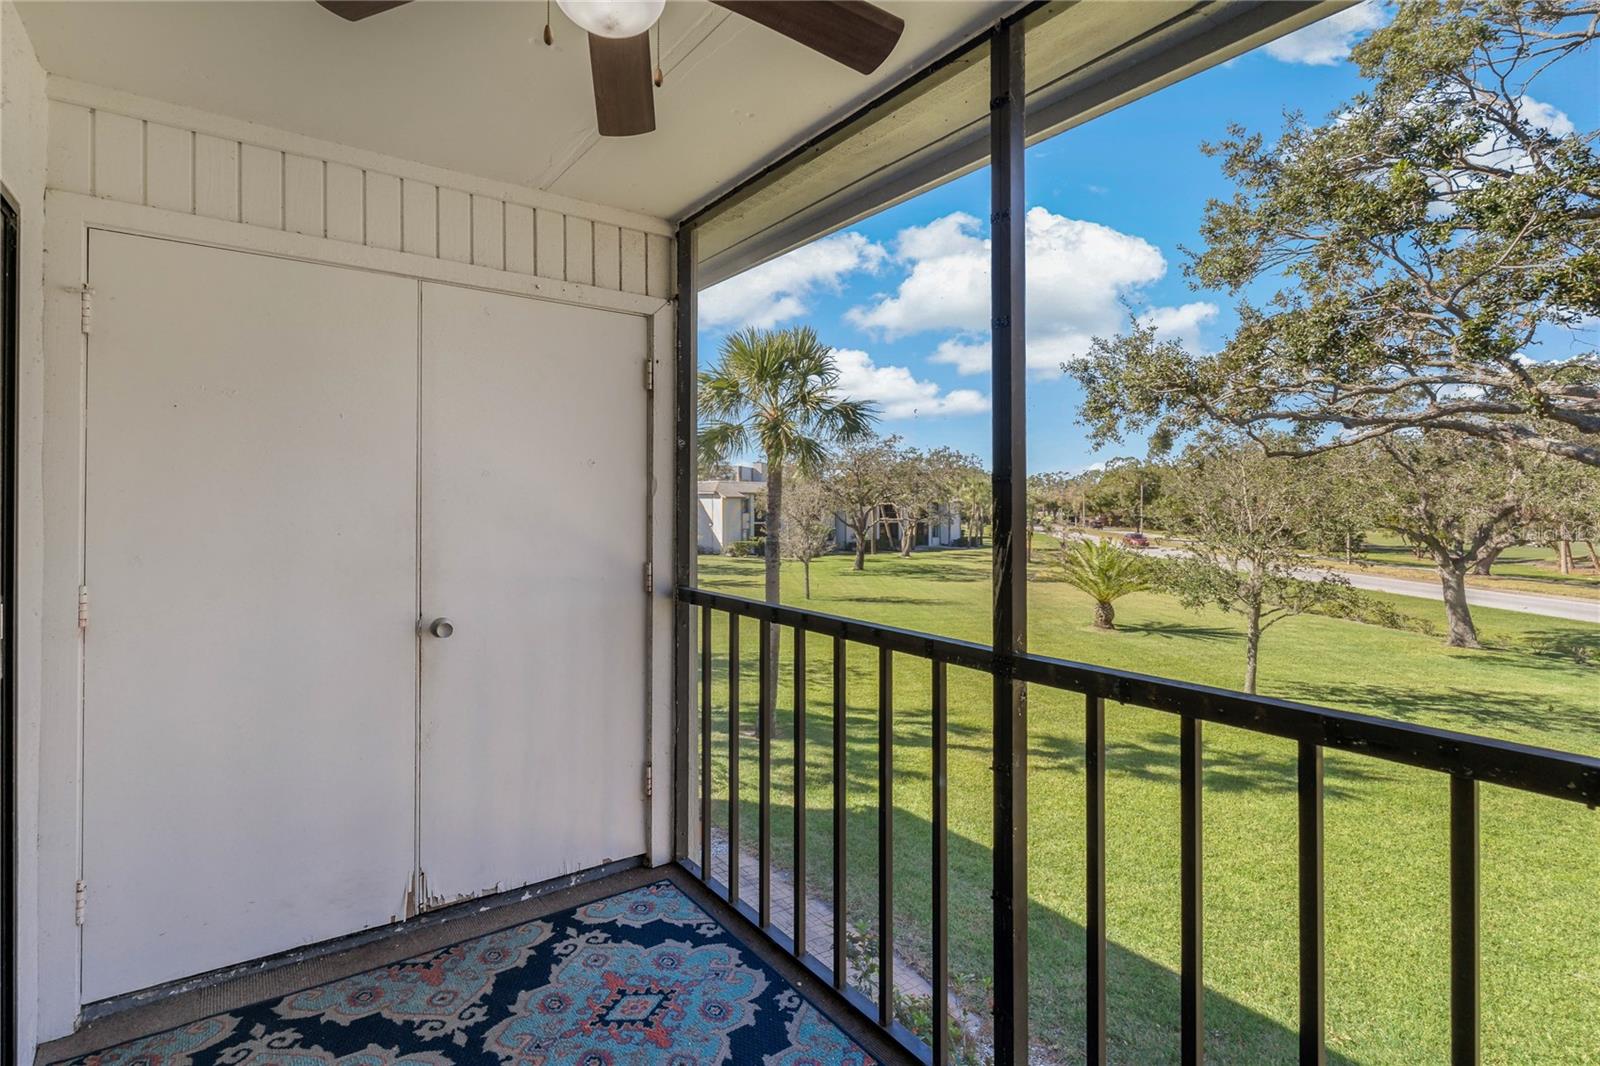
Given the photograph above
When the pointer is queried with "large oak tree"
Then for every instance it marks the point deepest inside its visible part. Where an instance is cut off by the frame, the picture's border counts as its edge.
(1423, 241)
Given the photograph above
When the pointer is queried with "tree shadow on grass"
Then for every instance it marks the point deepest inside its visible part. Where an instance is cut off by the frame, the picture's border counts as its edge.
(1462, 710)
(910, 601)
(1186, 631)
(1578, 648)
(1142, 995)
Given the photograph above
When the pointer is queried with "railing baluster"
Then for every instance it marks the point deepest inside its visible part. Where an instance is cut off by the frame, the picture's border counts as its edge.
(941, 867)
(840, 783)
(764, 712)
(1464, 1041)
(733, 758)
(885, 836)
(1095, 875)
(705, 743)
(1313, 1046)
(1467, 759)
(1192, 1008)
(799, 792)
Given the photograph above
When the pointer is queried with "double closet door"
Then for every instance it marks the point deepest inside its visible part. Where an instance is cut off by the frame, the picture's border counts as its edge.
(293, 472)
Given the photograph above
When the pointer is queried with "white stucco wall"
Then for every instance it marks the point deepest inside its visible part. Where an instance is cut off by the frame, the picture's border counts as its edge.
(23, 153)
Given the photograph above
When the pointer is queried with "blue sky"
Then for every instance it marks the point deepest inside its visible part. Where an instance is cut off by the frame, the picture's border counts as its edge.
(902, 296)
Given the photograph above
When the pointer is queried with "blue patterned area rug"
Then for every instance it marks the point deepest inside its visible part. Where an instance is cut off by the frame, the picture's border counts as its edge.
(640, 978)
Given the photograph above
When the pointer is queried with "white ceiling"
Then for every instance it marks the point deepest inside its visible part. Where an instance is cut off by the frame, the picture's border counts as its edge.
(470, 85)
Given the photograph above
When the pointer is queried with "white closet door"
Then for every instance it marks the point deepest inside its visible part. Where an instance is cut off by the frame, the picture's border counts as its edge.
(533, 540)
(250, 663)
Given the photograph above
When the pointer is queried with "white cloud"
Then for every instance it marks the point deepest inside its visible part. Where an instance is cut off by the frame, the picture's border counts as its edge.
(1181, 323)
(1327, 43)
(779, 290)
(1078, 275)
(897, 393)
(967, 356)
(1496, 151)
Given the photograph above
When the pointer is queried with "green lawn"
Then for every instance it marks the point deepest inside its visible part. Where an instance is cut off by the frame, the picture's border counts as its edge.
(1387, 920)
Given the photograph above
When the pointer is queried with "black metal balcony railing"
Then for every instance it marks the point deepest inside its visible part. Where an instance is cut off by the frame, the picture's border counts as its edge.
(1467, 759)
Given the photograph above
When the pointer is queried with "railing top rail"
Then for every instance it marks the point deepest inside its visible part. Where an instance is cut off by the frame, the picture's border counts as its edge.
(1546, 771)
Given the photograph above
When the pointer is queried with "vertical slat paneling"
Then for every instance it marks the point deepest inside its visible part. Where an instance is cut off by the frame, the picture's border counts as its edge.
(347, 207)
(1465, 1047)
(633, 261)
(764, 723)
(384, 213)
(657, 265)
(607, 256)
(941, 864)
(885, 836)
(261, 186)
(455, 225)
(841, 782)
(71, 150)
(303, 196)
(733, 758)
(1313, 1048)
(169, 167)
(1191, 1011)
(216, 177)
(420, 218)
(1094, 742)
(550, 237)
(118, 157)
(519, 238)
(799, 666)
(488, 232)
(580, 250)
(705, 743)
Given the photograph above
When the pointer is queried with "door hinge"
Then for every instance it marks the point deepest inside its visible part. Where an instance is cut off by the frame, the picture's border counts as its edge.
(80, 899)
(83, 606)
(649, 780)
(86, 310)
(649, 374)
(649, 578)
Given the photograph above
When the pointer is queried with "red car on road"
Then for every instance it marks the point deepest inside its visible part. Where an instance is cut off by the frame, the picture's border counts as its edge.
(1136, 540)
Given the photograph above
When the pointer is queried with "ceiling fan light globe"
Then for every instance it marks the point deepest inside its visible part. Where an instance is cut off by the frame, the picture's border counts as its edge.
(613, 18)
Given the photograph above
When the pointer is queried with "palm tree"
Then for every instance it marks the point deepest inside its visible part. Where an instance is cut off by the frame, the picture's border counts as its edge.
(776, 392)
(1106, 573)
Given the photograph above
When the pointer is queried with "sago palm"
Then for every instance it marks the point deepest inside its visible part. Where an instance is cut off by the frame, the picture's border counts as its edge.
(1104, 572)
(776, 392)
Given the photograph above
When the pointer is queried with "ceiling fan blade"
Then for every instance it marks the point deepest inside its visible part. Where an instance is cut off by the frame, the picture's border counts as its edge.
(624, 100)
(853, 32)
(356, 10)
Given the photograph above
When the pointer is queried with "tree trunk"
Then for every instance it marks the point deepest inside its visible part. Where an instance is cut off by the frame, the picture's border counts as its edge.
(1594, 557)
(1105, 616)
(861, 547)
(774, 529)
(774, 563)
(806, 565)
(1462, 632)
(1485, 565)
(1252, 647)
(1030, 544)
(1564, 555)
(1349, 556)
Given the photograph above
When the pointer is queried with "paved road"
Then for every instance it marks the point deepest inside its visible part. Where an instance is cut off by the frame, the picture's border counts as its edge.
(1527, 602)
(1568, 607)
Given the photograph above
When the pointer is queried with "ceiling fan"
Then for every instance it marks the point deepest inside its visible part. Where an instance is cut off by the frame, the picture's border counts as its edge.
(853, 32)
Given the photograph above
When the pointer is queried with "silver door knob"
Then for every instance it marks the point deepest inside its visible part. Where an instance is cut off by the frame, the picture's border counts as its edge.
(441, 627)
